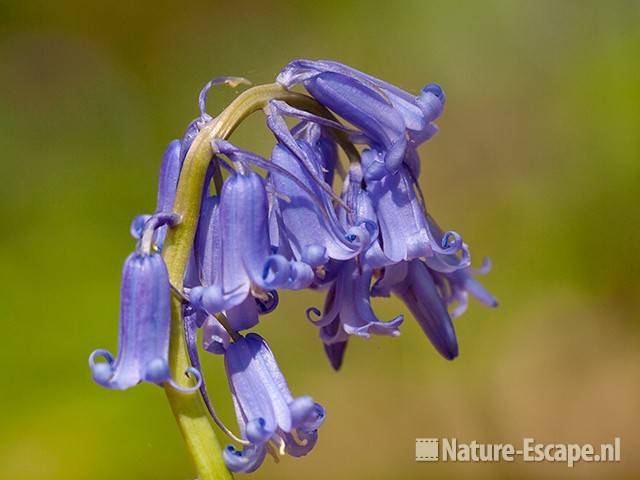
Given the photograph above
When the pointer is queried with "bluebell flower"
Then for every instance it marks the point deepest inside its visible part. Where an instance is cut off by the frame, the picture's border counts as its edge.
(240, 259)
(414, 284)
(391, 119)
(405, 231)
(143, 345)
(308, 228)
(233, 249)
(276, 111)
(362, 213)
(282, 223)
(347, 311)
(365, 108)
(269, 417)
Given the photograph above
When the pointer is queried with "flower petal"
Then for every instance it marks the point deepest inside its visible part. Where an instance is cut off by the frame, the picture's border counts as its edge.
(419, 292)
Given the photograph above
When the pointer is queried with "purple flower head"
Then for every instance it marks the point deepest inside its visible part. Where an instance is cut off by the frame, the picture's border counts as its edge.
(348, 311)
(414, 284)
(268, 415)
(144, 329)
(300, 219)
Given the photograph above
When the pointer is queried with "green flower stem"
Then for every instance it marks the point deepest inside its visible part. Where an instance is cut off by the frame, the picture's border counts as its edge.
(193, 419)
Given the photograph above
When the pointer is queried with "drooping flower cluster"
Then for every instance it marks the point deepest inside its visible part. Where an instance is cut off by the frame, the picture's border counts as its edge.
(358, 232)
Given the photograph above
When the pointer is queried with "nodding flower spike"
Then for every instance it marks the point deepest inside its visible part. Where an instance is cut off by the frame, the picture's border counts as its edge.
(288, 226)
(143, 346)
(266, 411)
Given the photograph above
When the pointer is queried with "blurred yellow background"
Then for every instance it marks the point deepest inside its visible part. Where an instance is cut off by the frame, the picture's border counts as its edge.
(536, 165)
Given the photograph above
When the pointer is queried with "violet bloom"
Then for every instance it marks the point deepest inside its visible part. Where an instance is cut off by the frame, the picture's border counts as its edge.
(287, 226)
(143, 346)
(239, 263)
(406, 233)
(269, 417)
(365, 108)
(206, 292)
(348, 311)
(307, 226)
(414, 284)
(391, 119)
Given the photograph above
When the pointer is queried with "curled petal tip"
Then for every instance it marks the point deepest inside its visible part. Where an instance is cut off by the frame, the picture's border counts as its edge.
(257, 431)
(434, 89)
(306, 415)
(243, 461)
(137, 225)
(315, 255)
(213, 299)
(310, 312)
(102, 372)
(301, 408)
(451, 241)
(276, 271)
(195, 295)
(157, 371)
(191, 371)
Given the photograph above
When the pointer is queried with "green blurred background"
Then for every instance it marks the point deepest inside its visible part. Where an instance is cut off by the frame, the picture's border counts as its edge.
(537, 165)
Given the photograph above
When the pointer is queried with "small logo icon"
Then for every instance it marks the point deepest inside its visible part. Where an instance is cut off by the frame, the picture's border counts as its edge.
(426, 449)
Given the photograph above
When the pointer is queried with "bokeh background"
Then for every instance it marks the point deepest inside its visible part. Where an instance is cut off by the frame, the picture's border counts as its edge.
(537, 165)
